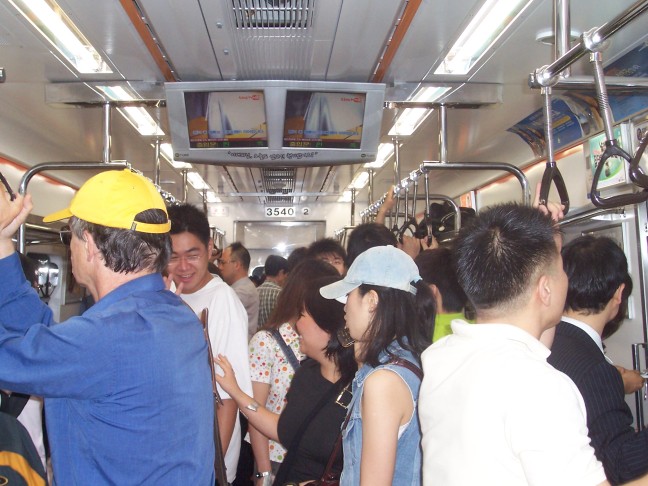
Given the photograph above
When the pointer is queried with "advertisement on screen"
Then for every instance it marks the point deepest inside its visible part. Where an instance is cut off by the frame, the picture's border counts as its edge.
(234, 119)
(323, 120)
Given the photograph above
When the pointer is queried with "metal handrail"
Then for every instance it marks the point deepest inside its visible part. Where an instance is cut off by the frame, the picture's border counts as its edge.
(27, 176)
(548, 75)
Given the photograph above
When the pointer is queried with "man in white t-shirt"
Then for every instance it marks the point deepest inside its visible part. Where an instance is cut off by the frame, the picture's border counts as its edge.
(493, 412)
(228, 321)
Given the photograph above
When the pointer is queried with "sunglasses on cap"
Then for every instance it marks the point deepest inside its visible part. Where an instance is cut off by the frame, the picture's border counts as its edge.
(65, 233)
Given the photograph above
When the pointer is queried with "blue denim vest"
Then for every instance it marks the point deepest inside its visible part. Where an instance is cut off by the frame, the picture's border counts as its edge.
(408, 452)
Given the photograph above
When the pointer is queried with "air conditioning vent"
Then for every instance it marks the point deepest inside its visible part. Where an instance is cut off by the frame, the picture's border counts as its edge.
(277, 181)
(273, 14)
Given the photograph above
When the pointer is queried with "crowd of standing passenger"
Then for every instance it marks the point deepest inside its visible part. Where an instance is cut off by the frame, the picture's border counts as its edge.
(329, 365)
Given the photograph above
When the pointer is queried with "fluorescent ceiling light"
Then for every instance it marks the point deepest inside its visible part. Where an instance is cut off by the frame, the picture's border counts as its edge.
(345, 197)
(167, 152)
(138, 117)
(385, 151)
(197, 181)
(53, 24)
(212, 197)
(411, 118)
(485, 28)
(359, 180)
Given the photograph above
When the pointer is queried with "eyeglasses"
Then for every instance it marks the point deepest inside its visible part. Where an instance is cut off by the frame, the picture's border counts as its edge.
(223, 262)
(12, 195)
(191, 258)
(65, 233)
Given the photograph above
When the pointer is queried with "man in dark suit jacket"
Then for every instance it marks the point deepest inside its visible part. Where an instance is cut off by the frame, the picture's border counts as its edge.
(599, 286)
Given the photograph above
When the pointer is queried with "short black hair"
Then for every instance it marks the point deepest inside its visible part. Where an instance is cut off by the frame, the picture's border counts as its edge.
(436, 267)
(501, 251)
(190, 219)
(326, 246)
(275, 264)
(241, 254)
(365, 236)
(596, 268)
(297, 256)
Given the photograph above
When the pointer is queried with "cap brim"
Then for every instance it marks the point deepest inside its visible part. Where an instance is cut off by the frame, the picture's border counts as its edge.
(58, 216)
(338, 289)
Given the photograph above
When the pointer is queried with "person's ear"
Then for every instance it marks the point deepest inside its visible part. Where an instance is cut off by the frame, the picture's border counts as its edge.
(209, 252)
(371, 299)
(543, 289)
(89, 246)
(618, 294)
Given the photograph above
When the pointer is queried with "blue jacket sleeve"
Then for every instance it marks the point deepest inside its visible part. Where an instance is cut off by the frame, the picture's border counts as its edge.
(20, 306)
(68, 360)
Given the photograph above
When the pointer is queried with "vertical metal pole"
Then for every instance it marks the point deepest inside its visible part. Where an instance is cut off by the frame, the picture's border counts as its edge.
(156, 173)
(415, 181)
(370, 187)
(562, 32)
(636, 364)
(443, 134)
(427, 192)
(106, 132)
(394, 221)
(353, 203)
(185, 186)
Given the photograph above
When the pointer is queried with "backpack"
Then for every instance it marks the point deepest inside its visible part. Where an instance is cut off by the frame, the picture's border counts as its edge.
(20, 464)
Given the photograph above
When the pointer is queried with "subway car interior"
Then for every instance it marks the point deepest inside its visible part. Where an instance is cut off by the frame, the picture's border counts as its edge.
(290, 120)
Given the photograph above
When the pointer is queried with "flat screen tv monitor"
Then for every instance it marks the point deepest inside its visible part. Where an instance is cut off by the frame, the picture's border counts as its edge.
(288, 123)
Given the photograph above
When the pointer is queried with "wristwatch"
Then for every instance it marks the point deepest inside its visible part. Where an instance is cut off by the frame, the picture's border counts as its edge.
(254, 406)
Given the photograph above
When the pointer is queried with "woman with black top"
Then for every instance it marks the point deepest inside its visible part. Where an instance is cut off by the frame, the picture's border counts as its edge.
(319, 393)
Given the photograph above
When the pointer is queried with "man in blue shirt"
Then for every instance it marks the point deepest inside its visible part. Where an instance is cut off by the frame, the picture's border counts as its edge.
(127, 384)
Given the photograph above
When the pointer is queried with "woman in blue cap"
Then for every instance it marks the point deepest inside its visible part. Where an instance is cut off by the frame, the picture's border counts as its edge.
(389, 320)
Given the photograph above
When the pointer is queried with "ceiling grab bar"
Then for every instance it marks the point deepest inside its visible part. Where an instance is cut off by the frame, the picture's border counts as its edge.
(511, 169)
(551, 173)
(612, 148)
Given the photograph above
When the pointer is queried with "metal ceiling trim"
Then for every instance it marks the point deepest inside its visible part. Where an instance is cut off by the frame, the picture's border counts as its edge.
(151, 40)
(396, 38)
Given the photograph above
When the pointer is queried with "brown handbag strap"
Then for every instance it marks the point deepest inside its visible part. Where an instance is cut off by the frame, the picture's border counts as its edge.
(407, 364)
(219, 458)
(336, 449)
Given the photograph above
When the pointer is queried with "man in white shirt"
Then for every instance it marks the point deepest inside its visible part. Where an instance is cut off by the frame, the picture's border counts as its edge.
(227, 324)
(492, 410)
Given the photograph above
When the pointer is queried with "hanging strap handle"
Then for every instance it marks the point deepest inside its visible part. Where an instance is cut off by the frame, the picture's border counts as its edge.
(637, 174)
(552, 173)
(612, 148)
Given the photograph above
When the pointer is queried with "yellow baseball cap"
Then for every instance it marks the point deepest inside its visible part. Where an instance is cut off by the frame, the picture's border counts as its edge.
(113, 199)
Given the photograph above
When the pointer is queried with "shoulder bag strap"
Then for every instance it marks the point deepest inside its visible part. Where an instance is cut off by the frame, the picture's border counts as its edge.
(288, 461)
(287, 350)
(219, 459)
(328, 474)
(407, 364)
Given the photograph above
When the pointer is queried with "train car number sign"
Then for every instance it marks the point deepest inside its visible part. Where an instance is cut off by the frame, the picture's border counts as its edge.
(280, 212)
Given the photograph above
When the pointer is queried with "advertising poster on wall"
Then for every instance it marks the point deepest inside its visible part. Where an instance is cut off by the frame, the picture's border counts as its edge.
(615, 171)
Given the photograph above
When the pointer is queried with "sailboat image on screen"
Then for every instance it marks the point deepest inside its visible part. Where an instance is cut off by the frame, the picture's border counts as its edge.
(317, 119)
(218, 123)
